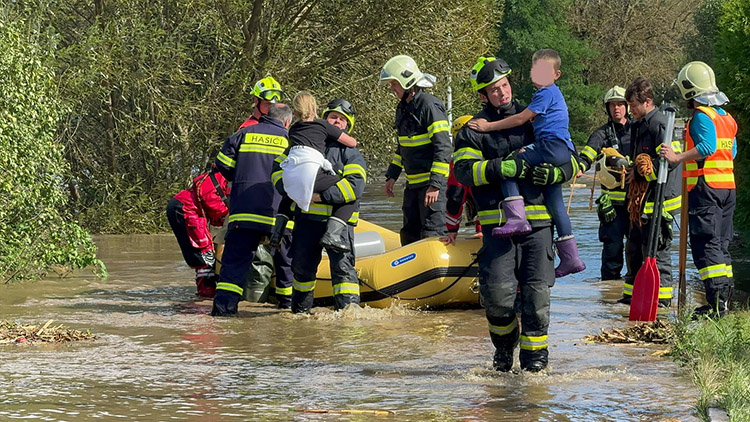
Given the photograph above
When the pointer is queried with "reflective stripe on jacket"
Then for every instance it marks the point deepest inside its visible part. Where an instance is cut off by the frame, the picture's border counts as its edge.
(247, 158)
(424, 146)
(718, 168)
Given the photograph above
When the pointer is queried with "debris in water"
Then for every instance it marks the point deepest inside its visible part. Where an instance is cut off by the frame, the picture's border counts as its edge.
(348, 411)
(10, 332)
(658, 332)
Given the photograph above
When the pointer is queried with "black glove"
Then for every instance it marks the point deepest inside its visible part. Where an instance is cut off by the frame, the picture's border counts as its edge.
(546, 174)
(604, 209)
(513, 167)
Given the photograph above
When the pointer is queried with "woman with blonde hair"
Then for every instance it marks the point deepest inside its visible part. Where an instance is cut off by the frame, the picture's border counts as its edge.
(307, 172)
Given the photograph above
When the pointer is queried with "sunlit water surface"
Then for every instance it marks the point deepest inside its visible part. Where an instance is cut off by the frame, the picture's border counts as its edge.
(159, 355)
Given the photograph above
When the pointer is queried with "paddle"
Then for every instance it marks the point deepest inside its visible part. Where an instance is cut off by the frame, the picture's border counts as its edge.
(646, 284)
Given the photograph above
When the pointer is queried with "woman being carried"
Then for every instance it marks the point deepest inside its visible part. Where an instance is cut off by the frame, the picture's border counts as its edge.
(307, 173)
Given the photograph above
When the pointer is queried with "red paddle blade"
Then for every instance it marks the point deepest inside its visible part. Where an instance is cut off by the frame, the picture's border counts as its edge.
(645, 292)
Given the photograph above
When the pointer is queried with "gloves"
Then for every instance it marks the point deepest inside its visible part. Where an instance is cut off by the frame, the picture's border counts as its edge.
(546, 174)
(604, 209)
(513, 167)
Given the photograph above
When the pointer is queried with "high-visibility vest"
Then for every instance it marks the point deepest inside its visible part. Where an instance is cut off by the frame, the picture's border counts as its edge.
(718, 168)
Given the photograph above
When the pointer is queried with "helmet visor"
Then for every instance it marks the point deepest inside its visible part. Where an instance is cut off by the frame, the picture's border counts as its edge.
(271, 95)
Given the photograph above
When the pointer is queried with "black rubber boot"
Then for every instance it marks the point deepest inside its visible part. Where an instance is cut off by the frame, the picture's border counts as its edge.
(503, 360)
(277, 232)
(535, 365)
(336, 236)
(225, 303)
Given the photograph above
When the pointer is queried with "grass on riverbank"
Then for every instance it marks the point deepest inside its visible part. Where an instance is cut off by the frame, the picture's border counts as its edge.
(717, 353)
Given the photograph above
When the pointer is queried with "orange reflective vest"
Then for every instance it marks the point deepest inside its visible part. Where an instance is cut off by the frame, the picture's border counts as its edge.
(718, 168)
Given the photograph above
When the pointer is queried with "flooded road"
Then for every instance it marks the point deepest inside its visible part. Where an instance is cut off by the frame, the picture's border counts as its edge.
(159, 356)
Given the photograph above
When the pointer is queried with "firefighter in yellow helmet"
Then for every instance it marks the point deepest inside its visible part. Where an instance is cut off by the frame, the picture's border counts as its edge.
(611, 205)
(710, 148)
(479, 164)
(265, 92)
(423, 152)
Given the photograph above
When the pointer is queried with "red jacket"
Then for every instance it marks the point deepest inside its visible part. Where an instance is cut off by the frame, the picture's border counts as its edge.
(202, 203)
(457, 195)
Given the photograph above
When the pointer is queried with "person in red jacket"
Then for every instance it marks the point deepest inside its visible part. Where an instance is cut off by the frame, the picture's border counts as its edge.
(457, 195)
(189, 214)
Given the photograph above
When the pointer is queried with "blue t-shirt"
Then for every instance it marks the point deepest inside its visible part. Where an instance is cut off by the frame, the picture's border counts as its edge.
(703, 132)
(551, 121)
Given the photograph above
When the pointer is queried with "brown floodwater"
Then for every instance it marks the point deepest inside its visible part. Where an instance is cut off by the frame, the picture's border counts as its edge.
(159, 356)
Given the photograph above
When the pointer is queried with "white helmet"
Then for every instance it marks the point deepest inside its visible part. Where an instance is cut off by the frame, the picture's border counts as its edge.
(697, 81)
(402, 69)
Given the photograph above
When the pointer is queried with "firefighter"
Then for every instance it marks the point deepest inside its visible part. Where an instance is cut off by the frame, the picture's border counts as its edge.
(310, 226)
(457, 196)
(246, 159)
(646, 136)
(189, 214)
(611, 206)
(423, 151)
(711, 146)
(265, 92)
(480, 163)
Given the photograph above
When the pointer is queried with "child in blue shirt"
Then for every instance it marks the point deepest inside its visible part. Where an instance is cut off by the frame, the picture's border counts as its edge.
(553, 145)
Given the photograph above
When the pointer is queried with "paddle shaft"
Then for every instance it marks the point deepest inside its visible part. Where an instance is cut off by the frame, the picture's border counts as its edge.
(653, 232)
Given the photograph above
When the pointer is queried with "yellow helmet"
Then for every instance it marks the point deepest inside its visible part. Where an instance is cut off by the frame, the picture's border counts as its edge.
(695, 79)
(344, 107)
(616, 93)
(487, 71)
(402, 69)
(268, 89)
(459, 123)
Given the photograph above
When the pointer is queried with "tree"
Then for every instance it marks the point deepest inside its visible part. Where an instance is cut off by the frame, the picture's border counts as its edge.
(153, 88)
(535, 24)
(36, 229)
(732, 67)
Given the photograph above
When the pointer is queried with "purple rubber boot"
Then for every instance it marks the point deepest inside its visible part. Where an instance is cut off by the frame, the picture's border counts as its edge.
(570, 263)
(516, 223)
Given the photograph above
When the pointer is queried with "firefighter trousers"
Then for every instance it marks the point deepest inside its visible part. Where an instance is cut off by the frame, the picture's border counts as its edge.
(533, 260)
(611, 235)
(711, 213)
(420, 221)
(306, 256)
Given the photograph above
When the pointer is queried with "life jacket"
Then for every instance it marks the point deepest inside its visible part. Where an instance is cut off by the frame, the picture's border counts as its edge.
(718, 168)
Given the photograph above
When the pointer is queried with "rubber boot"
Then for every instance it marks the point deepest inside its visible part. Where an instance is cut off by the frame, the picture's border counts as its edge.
(535, 365)
(277, 233)
(225, 303)
(206, 286)
(336, 236)
(515, 215)
(570, 263)
(718, 303)
(503, 360)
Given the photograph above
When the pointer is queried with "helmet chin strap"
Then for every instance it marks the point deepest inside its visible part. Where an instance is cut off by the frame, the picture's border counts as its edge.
(505, 107)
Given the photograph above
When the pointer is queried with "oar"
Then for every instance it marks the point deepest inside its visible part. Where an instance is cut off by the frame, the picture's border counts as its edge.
(682, 283)
(645, 299)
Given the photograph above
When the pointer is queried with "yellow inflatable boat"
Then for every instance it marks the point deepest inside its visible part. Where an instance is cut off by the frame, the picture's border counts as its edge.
(423, 274)
(426, 273)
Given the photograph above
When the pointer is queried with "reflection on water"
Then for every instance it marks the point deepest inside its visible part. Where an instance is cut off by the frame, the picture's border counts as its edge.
(159, 356)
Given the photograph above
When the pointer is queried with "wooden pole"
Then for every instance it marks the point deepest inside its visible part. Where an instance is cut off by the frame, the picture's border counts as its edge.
(682, 278)
(570, 197)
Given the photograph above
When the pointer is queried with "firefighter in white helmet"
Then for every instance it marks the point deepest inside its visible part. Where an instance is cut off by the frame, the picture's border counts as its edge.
(423, 152)
(710, 148)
